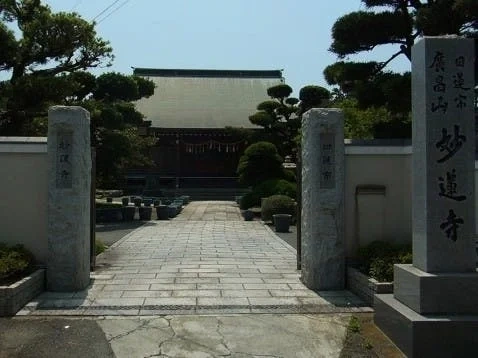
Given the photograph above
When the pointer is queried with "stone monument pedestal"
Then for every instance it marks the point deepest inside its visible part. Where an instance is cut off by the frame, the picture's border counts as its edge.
(420, 335)
(431, 315)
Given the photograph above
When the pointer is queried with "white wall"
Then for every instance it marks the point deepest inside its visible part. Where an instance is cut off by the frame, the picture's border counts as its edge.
(370, 214)
(381, 208)
(24, 194)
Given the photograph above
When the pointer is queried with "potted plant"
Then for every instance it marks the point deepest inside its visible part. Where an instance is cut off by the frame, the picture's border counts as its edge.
(128, 213)
(125, 201)
(162, 212)
(109, 199)
(282, 222)
(248, 215)
(137, 202)
(278, 204)
(145, 212)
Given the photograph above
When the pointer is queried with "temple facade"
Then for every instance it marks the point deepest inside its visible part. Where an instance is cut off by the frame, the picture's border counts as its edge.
(190, 113)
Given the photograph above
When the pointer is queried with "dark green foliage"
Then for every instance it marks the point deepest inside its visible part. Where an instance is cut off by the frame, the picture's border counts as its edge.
(313, 97)
(103, 205)
(377, 259)
(115, 86)
(265, 189)
(260, 162)
(14, 261)
(145, 87)
(278, 204)
(395, 128)
(281, 91)
(39, 56)
(268, 106)
(391, 22)
(354, 325)
(250, 200)
(342, 73)
(281, 116)
(99, 247)
(276, 186)
(369, 30)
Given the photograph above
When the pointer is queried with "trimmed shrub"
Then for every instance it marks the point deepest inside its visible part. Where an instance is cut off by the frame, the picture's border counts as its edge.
(276, 187)
(103, 205)
(265, 189)
(250, 200)
(14, 261)
(260, 162)
(278, 204)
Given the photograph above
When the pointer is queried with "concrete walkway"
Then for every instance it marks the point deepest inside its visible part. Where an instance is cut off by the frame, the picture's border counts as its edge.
(206, 284)
(214, 264)
(235, 336)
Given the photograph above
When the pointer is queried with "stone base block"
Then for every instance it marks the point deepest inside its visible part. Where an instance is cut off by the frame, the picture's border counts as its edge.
(440, 293)
(426, 336)
(18, 294)
(366, 287)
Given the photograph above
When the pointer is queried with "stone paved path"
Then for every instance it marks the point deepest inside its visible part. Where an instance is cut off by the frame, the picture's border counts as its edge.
(207, 260)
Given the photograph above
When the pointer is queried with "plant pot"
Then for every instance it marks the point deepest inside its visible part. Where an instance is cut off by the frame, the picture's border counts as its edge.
(282, 222)
(137, 202)
(125, 201)
(128, 213)
(173, 210)
(185, 198)
(248, 215)
(162, 212)
(145, 213)
(108, 215)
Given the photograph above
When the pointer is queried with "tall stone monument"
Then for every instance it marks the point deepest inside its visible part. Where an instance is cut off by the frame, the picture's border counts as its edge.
(322, 224)
(69, 164)
(434, 309)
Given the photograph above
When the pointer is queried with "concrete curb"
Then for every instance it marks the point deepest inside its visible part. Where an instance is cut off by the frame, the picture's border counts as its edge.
(120, 241)
(273, 234)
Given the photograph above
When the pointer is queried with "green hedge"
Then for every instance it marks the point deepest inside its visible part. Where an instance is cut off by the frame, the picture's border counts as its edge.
(278, 204)
(14, 261)
(103, 205)
(377, 259)
(268, 188)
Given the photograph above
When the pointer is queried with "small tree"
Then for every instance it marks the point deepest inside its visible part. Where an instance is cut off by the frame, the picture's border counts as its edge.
(115, 123)
(41, 51)
(398, 23)
(281, 116)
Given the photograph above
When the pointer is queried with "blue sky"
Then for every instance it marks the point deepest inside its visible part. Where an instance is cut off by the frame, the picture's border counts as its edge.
(224, 34)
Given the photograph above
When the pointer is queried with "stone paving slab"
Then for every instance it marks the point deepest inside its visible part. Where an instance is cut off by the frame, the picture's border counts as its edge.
(188, 267)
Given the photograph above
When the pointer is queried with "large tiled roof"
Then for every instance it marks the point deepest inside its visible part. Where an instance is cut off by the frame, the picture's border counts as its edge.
(205, 98)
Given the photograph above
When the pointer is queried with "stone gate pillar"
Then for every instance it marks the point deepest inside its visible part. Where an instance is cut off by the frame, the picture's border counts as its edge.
(322, 225)
(69, 165)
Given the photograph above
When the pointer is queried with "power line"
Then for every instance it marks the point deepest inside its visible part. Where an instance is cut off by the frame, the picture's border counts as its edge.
(113, 11)
(106, 9)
